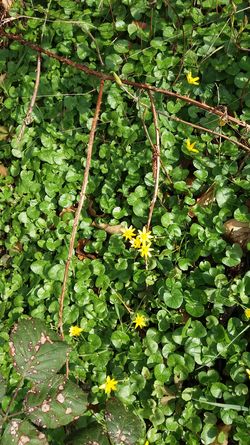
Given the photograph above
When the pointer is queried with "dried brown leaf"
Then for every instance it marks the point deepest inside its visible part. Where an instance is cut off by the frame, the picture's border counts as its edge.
(225, 429)
(204, 200)
(6, 4)
(237, 232)
(112, 230)
(80, 252)
(3, 170)
(4, 133)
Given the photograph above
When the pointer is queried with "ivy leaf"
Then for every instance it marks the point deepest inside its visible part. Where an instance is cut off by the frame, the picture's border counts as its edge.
(55, 402)
(20, 432)
(36, 350)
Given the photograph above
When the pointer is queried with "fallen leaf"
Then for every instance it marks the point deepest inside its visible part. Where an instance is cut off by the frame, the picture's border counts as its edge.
(67, 210)
(2, 77)
(3, 170)
(112, 230)
(6, 4)
(141, 25)
(204, 200)
(237, 232)
(4, 133)
(223, 432)
(80, 253)
(92, 211)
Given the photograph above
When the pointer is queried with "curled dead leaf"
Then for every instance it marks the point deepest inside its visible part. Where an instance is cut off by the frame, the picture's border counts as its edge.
(3, 170)
(204, 200)
(67, 210)
(80, 252)
(223, 432)
(237, 232)
(4, 133)
(6, 4)
(139, 24)
(112, 230)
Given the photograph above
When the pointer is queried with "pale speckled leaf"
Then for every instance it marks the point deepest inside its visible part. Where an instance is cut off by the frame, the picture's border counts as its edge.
(37, 351)
(124, 427)
(94, 434)
(55, 402)
(21, 432)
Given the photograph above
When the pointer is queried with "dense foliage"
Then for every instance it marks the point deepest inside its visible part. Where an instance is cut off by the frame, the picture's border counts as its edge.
(184, 371)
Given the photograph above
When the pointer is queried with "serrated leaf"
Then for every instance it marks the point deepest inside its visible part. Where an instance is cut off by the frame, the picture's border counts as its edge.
(124, 427)
(55, 402)
(37, 351)
(90, 435)
(21, 432)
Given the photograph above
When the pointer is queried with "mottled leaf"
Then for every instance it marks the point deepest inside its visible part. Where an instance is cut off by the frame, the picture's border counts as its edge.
(21, 432)
(55, 402)
(124, 427)
(36, 350)
(90, 435)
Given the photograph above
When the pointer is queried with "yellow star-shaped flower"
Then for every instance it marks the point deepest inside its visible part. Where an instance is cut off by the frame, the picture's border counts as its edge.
(140, 321)
(144, 236)
(109, 385)
(190, 146)
(247, 312)
(128, 233)
(75, 331)
(192, 80)
(248, 372)
(145, 251)
(135, 242)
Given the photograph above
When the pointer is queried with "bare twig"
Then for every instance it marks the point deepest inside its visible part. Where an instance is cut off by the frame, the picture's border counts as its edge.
(80, 205)
(215, 133)
(156, 159)
(33, 99)
(104, 76)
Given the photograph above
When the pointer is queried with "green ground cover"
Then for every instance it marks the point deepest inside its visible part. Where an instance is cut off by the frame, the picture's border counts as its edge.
(167, 327)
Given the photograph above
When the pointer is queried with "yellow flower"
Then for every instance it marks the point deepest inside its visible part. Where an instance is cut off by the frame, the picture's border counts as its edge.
(135, 242)
(192, 80)
(109, 385)
(140, 321)
(146, 443)
(190, 146)
(247, 312)
(128, 233)
(145, 250)
(248, 372)
(144, 236)
(75, 331)
(222, 122)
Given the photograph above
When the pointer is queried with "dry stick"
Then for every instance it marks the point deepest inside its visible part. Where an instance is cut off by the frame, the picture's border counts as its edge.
(104, 76)
(33, 99)
(152, 145)
(156, 160)
(80, 205)
(215, 133)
